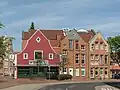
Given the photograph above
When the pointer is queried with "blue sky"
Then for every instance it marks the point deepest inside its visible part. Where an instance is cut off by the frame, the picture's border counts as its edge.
(17, 15)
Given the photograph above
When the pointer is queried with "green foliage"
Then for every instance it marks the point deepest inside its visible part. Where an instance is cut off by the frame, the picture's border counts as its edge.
(2, 47)
(32, 26)
(5, 42)
(114, 44)
(64, 76)
(64, 61)
(1, 25)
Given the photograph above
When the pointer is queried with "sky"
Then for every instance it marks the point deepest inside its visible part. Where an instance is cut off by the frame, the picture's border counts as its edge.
(17, 15)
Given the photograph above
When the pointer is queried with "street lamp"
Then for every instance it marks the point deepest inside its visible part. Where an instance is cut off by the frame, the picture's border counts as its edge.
(49, 71)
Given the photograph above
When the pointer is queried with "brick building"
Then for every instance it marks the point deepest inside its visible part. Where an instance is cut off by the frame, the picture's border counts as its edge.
(86, 50)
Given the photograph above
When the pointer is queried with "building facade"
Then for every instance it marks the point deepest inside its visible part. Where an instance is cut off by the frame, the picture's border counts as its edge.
(87, 53)
(38, 55)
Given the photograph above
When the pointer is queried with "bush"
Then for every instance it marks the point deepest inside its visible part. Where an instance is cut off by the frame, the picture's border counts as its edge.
(64, 76)
(53, 75)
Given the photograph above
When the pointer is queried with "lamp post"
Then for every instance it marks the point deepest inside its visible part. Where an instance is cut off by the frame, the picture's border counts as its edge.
(49, 71)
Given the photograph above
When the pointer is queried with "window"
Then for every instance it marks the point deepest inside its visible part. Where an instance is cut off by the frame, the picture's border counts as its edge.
(91, 72)
(101, 46)
(105, 47)
(92, 46)
(25, 55)
(83, 58)
(106, 59)
(96, 57)
(96, 45)
(92, 57)
(77, 58)
(38, 39)
(64, 45)
(96, 71)
(70, 43)
(82, 47)
(101, 70)
(83, 71)
(64, 70)
(50, 55)
(76, 44)
(38, 54)
(101, 59)
(106, 71)
(64, 52)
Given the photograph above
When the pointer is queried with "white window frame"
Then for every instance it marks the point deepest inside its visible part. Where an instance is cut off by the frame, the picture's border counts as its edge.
(64, 51)
(24, 55)
(83, 58)
(97, 57)
(106, 47)
(101, 59)
(77, 58)
(38, 51)
(83, 69)
(97, 46)
(92, 56)
(92, 47)
(50, 55)
(37, 40)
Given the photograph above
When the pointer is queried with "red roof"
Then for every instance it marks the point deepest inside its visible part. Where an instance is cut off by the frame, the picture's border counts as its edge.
(50, 34)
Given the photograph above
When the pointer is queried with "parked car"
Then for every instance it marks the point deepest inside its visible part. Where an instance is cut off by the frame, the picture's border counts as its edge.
(116, 76)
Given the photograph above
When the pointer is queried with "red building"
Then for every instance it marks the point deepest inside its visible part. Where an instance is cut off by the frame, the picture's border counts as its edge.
(40, 49)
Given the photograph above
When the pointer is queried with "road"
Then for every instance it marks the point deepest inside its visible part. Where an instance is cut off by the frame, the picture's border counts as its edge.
(84, 86)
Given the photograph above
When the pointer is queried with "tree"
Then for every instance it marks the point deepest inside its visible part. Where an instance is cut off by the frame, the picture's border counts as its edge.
(114, 44)
(1, 25)
(5, 51)
(32, 26)
(63, 62)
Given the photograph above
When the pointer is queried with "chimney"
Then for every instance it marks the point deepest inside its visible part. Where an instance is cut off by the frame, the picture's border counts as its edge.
(58, 40)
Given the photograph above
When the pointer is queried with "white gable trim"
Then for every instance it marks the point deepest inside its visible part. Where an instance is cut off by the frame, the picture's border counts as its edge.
(32, 37)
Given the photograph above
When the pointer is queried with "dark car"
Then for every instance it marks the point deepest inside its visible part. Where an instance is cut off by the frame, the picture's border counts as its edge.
(116, 76)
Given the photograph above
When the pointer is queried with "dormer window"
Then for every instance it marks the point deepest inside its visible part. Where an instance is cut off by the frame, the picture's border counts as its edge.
(38, 39)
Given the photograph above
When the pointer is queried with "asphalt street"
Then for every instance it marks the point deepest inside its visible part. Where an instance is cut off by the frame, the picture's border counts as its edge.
(84, 86)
